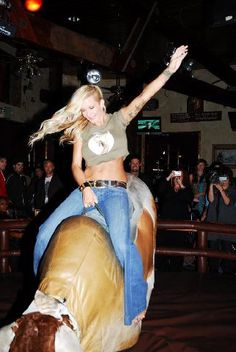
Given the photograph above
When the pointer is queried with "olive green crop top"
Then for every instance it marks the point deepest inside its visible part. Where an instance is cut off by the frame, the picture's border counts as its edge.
(106, 143)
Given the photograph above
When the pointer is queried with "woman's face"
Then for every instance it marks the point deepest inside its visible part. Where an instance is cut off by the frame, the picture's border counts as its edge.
(3, 206)
(93, 109)
(200, 167)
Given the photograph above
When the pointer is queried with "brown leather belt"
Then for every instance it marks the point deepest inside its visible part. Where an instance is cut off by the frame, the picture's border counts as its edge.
(107, 183)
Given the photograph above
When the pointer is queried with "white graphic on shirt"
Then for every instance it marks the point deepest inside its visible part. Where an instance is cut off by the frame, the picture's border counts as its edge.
(101, 143)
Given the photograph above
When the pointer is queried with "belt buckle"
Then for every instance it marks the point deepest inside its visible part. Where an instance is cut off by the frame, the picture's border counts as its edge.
(95, 183)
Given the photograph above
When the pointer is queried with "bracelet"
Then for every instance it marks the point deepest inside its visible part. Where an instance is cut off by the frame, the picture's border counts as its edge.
(84, 185)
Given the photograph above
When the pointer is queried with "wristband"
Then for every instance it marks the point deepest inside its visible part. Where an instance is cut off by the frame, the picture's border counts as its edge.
(84, 185)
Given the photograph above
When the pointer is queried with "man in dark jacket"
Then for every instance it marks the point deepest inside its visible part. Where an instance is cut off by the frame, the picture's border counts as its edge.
(48, 187)
(17, 184)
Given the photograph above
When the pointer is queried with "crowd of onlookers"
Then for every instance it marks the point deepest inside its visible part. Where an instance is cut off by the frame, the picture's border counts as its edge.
(204, 194)
(23, 195)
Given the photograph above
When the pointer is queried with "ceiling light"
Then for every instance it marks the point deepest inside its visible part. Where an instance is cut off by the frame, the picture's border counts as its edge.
(33, 5)
(73, 19)
(189, 64)
(5, 3)
(93, 76)
(28, 64)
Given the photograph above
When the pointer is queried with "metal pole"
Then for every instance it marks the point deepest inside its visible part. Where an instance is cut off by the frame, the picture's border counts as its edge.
(139, 37)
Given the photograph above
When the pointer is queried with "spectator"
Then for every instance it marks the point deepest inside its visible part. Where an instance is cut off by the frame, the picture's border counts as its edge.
(135, 169)
(4, 212)
(17, 184)
(211, 175)
(175, 195)
(199, 186)
(38, 172)
(222, 210)
(3, 188)
(37, 175)
(48, 186)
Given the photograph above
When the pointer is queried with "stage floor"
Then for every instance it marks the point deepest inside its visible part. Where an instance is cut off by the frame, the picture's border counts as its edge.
(188, 312)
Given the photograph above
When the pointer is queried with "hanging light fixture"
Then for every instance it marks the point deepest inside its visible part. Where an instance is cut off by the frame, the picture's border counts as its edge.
(93, 76)
(28, 64)
(188, 66)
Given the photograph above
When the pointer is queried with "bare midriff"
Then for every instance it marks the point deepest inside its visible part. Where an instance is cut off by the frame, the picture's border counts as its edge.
(109, 170)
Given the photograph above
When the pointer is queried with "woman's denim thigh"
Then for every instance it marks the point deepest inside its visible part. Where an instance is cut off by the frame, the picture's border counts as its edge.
(114, 204)
(72, 205)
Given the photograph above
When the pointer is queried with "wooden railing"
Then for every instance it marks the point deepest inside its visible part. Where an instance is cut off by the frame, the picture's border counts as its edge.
(10, 228)
(201, 250)
(16, 228)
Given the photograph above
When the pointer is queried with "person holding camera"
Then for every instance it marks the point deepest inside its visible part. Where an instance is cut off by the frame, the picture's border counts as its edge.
(222, 210)
(175, 196)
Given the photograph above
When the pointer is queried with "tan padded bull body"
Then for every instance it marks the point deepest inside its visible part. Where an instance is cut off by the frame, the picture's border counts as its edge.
(80, 266)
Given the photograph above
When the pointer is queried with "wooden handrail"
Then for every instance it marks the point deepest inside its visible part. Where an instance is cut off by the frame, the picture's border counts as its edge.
(202, 230)
(190, 225)
(14, 224)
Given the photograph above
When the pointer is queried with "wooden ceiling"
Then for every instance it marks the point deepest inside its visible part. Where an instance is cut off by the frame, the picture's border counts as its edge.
(133, 37)
(163, 21)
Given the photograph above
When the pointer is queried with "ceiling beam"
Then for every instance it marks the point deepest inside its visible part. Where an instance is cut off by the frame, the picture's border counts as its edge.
(221, 70)
(193, 87)
(35, 30)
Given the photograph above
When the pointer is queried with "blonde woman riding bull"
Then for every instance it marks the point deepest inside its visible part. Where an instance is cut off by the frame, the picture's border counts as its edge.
(100, 139)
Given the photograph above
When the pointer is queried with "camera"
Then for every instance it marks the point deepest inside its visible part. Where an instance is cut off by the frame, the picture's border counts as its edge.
(177, 173)
(217, 175)
(223, 178)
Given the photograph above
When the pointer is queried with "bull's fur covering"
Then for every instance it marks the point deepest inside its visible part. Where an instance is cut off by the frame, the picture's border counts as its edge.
(36, 329)
(81, 270)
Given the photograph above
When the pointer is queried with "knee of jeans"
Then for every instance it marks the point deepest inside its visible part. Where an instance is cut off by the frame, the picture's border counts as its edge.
(121, 251)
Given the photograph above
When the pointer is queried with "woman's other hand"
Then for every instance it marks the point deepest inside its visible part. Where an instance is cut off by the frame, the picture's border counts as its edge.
(89, 197)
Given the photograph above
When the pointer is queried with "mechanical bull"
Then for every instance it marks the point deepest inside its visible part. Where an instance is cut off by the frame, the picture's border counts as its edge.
(79, 302)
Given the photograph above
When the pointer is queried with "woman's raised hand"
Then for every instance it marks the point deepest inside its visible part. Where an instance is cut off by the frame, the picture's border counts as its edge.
(177, 58)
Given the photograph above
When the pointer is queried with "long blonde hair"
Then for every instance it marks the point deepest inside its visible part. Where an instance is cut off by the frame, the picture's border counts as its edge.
(68, 119)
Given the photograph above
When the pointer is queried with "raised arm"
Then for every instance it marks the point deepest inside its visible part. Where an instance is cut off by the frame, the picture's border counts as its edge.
(131, 110)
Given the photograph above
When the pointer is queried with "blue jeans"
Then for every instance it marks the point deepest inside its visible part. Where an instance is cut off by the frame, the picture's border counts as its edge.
(114, 204)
